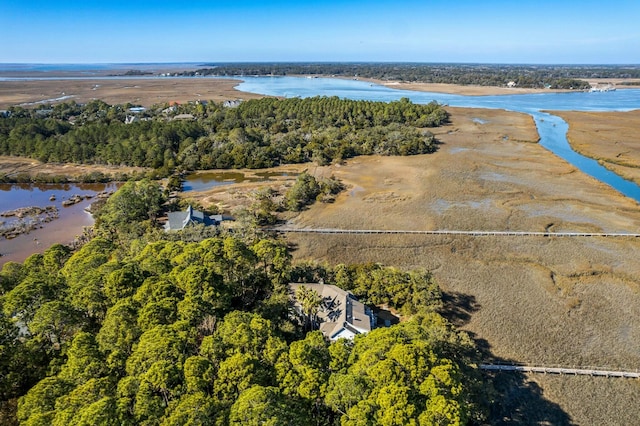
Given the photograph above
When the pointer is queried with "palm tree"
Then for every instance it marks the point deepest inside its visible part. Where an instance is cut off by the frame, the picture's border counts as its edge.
(310, 301)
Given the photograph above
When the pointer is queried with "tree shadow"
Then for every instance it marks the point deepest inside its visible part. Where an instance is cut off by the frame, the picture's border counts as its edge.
(519, 400)
(458, 307)
(511, 397)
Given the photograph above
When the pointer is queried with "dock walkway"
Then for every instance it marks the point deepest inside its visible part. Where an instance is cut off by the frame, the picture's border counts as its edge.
(562, 370)
(287, 229)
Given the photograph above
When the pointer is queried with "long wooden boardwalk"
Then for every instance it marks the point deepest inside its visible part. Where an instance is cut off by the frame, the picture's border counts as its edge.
(562, 370)
(287, 229)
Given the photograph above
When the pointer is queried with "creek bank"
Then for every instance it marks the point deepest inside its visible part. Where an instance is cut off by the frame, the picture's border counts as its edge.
(26, 220)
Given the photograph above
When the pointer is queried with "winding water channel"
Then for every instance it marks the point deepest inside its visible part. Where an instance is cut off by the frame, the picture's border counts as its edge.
(551, 128)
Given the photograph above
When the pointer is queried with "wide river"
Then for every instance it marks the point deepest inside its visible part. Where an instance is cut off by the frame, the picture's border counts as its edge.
(552, 129)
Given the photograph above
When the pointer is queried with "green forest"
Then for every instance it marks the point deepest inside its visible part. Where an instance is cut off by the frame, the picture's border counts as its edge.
(528, 76)
(255, 134)
(142, 327)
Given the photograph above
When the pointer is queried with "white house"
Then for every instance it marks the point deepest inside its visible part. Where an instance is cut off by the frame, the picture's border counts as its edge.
(340, 315)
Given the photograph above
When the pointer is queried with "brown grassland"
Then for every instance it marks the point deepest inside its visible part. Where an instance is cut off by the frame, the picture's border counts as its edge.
(609, 137)
(570, 301)
(145, 92)
(12, 166)
(457, 89)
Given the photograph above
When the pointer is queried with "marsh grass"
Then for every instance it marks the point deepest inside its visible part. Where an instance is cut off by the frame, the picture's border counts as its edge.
(539, 300)
(525, 300)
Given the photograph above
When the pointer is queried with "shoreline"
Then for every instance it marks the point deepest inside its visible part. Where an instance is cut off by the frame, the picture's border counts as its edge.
(607, 137)
(472, 90)
(459, 89)
(121, 89)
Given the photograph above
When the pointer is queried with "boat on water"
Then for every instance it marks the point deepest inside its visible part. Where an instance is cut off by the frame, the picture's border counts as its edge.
(604, 88)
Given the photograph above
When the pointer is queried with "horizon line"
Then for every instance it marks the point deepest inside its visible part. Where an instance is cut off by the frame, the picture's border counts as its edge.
(276, 62)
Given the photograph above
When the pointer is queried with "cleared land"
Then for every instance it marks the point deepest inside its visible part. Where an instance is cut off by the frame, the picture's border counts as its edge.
(145, 92)
(535, 300)
(609, 137)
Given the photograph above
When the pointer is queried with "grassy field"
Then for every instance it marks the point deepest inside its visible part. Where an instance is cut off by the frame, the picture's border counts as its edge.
(526, 299)
(13, 166)
(609, 137)
(145, 92)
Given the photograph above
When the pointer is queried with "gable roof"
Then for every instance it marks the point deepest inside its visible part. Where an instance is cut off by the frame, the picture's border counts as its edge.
(179, 220)
(341, 314)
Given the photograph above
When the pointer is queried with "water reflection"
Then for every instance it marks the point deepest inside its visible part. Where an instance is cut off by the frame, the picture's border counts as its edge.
(208, 180)
(70, 222)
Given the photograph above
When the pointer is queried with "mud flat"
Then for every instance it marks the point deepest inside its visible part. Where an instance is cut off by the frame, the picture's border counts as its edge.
(609, 137)
(538, 300)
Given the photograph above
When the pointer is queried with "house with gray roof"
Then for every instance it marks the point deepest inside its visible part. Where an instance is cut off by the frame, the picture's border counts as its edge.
(340, 314)
(179, 220)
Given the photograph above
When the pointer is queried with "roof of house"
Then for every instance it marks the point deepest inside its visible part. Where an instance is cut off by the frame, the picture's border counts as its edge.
(178, 220)
(341, 314)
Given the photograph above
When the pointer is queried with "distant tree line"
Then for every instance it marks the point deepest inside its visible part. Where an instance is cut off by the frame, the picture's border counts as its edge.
(528, 76)
(256, 134)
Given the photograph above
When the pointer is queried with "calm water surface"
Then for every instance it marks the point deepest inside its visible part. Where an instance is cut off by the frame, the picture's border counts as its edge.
(70, 222)
(208, 180)
(552, 129)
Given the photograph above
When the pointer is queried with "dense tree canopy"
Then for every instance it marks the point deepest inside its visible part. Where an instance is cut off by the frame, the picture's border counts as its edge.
(256, 134)
(200, 333)
(536, 76)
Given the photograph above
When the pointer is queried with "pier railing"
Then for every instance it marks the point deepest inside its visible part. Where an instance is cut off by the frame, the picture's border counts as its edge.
(580, 371)
(287, 229)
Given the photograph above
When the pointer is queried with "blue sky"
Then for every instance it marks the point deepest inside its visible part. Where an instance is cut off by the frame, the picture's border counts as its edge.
(491, 31)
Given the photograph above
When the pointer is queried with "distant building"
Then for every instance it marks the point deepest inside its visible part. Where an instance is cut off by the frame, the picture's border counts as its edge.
(184, 117)
(43, 113)
(177, 221)
(232, 104)
(512, 84)
(341, 315)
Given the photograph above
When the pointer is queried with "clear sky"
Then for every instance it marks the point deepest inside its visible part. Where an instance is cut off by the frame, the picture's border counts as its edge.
(486, 31)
